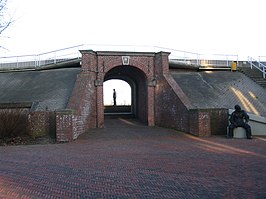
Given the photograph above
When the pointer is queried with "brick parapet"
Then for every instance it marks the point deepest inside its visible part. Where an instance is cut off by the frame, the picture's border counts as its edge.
(170, 111)
(66, 126)
(207, 122)
(199, 122)
(39, 124)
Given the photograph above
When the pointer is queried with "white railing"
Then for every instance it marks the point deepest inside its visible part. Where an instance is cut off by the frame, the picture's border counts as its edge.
(259, 64)
(66, 54)
(39, 60)
(57, 56)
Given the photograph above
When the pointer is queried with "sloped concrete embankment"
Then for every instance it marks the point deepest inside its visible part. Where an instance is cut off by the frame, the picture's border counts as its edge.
(198, 102)
(175, 110)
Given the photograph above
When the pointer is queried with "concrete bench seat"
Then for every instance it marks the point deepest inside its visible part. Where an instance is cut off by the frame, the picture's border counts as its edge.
(257, 124)
(239, 132)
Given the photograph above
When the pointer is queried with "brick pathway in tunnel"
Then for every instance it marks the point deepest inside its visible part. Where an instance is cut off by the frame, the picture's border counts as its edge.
(129, 160)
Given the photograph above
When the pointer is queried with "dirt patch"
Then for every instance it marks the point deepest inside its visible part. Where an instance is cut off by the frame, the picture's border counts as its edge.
(26, 140)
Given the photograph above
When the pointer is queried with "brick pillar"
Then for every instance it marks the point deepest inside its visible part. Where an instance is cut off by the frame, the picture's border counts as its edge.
(65, 126)
(151, 102)
(161, 63)
(99, 103)
(204, 123)
(39, 123)
(199, 122)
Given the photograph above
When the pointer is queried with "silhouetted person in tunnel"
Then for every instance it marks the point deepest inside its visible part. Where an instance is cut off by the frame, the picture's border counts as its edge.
(239, 118)
(114, 97)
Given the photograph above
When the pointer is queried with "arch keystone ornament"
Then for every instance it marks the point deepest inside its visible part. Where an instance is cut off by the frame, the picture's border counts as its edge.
(125, 60)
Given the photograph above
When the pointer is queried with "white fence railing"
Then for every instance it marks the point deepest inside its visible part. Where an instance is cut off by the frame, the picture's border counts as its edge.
(66, 54)
(39, 60)
(260, 64)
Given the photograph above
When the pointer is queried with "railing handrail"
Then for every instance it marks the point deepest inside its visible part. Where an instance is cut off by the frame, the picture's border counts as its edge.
(74, 50)
(62, 49)
(262, 56)
(261, 67)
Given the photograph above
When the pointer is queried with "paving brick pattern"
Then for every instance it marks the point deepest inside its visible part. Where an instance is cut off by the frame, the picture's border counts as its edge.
(129, 160)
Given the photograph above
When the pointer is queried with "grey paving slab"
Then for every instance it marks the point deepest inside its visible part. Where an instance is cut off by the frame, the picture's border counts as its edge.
(129, 160)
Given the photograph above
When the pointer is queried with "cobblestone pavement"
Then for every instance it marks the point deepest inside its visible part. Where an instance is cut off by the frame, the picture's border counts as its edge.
(129, 160)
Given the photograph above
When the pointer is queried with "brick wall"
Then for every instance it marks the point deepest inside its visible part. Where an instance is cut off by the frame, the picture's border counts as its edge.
(170, 111)
(207, 122)
(83, 100)
(171, 105)
(199, 122)
(39, 123)
(87, 95)
(66, 126)
(219, 121)
(159, 99)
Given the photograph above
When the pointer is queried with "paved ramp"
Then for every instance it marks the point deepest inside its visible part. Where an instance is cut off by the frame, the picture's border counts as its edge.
(125, 128)
(222, 89)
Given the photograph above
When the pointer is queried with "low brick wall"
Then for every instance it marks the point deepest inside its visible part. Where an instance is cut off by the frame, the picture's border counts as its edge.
(170, 112)
(39, 123)
(66, 126)
(219, 121)
(207, 122)
(60, 125)
(199, 122)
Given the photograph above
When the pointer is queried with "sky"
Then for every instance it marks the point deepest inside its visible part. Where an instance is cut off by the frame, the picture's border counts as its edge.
(200, 26)
(123, 92)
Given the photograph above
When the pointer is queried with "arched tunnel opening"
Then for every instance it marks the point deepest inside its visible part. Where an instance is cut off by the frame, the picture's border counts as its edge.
(117, 95)
(130, 84)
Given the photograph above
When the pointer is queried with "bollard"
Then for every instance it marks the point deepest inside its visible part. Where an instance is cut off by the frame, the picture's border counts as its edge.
(234, 66)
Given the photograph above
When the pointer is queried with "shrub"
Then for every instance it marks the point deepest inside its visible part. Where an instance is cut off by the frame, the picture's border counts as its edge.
(13, 123)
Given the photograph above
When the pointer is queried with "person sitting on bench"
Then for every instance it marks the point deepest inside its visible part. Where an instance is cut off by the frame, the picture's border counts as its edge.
(239, 118)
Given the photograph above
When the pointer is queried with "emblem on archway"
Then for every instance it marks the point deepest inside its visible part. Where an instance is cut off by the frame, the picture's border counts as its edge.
(125, 60)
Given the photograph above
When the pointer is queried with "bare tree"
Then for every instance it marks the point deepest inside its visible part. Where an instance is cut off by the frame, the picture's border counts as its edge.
(5, 19)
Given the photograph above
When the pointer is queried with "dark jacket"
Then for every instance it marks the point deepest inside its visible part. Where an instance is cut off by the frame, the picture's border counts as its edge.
(239, 117)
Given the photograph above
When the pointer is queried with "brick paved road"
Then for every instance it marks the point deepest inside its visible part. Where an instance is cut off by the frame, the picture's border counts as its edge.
(128, 160)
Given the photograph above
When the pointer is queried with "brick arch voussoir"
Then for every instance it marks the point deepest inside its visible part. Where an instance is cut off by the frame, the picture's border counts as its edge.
(142, 65)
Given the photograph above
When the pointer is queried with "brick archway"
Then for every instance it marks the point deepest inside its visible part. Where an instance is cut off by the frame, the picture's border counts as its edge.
(142, 68)
(138, 83)
(165, 104)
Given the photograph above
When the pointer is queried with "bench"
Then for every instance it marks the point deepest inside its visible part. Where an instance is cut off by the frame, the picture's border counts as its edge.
(239, 132)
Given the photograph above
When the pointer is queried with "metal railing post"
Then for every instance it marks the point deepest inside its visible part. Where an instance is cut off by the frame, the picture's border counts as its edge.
(37, 61)
(17, 61)
(55, 58)
(250, 62)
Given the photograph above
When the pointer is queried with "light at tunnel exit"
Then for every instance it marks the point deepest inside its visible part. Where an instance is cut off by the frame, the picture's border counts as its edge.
(123, 92)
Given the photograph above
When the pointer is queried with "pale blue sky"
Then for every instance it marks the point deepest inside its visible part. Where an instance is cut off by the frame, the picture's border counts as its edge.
(123, 92)
(205, 26)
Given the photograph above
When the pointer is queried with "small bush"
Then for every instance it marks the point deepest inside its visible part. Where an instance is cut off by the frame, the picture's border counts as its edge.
(13, 123)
